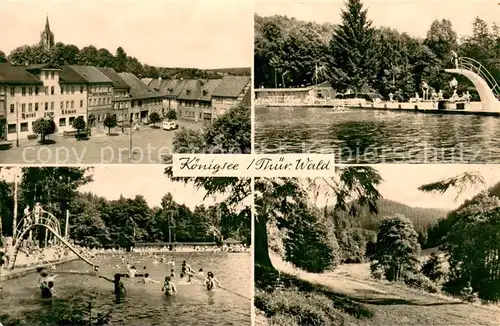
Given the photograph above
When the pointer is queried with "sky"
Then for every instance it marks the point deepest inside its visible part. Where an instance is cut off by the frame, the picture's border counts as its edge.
(411, 16)
(202, 34)
(401, 182)
(111, 181)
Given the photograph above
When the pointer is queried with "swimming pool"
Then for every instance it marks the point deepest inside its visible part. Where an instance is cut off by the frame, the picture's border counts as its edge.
(146, 304)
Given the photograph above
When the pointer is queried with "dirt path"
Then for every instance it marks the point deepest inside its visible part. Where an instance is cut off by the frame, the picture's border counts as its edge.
(396, 305)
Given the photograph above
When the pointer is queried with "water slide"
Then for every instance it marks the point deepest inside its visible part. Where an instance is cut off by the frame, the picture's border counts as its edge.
(483, 81)
(17, 245)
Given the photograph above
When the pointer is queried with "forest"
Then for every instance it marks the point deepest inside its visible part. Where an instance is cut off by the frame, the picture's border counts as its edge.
(357, 56)
(98, 222)
(69, 54)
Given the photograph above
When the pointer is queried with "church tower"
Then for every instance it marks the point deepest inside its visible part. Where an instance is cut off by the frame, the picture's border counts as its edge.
(47, 37)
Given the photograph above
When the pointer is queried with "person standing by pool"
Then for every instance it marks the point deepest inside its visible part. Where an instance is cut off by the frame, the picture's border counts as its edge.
(169, 287)
(43, 283)
(211, 282)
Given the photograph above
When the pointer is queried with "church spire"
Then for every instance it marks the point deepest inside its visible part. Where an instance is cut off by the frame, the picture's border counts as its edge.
(47, 26)
(47, 37)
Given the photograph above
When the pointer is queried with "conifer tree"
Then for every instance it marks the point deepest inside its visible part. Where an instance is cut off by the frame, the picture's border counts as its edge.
(352, 60)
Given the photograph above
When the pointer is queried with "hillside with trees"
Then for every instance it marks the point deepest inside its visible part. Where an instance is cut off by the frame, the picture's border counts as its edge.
(69, 54)
(357, 56)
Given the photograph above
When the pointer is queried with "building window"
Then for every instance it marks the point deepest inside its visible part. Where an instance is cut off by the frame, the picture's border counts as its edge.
(72, 89)
(36, 106)
(52, 90)
(62, 89)
(36, 90)
(62, 105)
(12, 91)
(24, 126)
(72, 104)
(81, 89)
(11, 128)
(51, 75)
(81, 103)
(62, 122)
(12, 108)
(46, 75)
(99, 101)
(109, 100)
(67, 104)
(23, 107)
(46, 90)
(46, 106)
(71, 120)
(30, 107)
(52, 105)
(23, 91)
(30, 91)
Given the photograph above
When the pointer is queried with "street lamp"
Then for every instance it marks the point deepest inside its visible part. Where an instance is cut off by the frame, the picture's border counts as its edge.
(130, 154)
(17, 124)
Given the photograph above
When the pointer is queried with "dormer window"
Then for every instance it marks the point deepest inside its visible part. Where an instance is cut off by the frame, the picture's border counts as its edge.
(205, 92)
(188, 91)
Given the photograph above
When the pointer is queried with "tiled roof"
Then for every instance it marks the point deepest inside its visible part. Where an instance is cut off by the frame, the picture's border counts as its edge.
(191, 90)
(146, 81)
(208, 88)
(91, 74)
(136, 85)
(69, 76)
(10, 74)
(138, 89)
(43, 66)
(118, 82)
(173, 87)
(231, 86)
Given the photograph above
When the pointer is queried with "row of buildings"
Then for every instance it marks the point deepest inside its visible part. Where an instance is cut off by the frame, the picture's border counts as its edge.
(63, 93)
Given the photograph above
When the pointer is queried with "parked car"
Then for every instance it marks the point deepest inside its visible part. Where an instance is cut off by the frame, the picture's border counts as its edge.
(169, 125)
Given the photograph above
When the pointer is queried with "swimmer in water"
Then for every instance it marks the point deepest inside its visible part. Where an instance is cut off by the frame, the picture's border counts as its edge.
(186, 268)
(211, 282)
(119, 287)
(201, 273)
(132, 272)
(171, 262)
(172, 273)
(169, 287)
(148, 280)
(51, 289)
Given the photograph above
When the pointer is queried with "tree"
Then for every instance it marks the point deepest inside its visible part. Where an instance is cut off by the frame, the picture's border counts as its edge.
(432, 268)
(189, 141)
(397, 249)
(351, 58)
(110, 122)
(3, 57)
(154, 118)
(78, 124)
(310, 242)
(441, 39)
(230, 133)
(274, 198)
(44, 127)
(171, 115)
(120, 62)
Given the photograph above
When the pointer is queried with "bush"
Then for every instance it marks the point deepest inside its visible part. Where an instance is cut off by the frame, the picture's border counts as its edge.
(110, 122)
(171, 115)
(432, 268)
(299, 308)
(44, 127)
(154, 118)
(421, 282)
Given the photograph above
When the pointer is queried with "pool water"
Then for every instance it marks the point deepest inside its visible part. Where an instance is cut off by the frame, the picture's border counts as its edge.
(145, 304)
(363, 136)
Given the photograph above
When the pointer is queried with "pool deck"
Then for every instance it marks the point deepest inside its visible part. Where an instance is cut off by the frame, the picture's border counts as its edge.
(428, 110)
(26, 270)
(417, 107)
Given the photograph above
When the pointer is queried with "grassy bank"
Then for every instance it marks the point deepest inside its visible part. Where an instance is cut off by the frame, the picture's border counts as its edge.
(288, 300)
